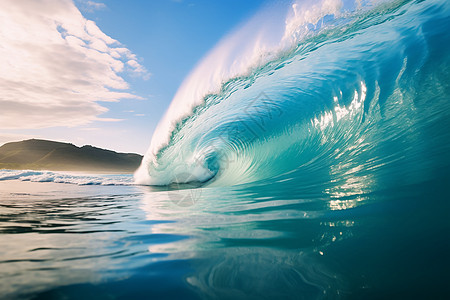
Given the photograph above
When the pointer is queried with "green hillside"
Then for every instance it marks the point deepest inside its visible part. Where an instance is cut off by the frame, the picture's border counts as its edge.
(49, 155)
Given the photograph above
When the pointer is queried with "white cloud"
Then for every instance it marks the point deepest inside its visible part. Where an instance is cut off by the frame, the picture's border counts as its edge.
(90, 6)
(139, 69)
(96, 5)
(56, 66)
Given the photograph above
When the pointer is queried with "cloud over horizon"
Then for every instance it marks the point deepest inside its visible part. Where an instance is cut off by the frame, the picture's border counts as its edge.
(57, 66)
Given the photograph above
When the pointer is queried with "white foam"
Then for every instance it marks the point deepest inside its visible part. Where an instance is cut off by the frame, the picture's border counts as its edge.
(66, 177)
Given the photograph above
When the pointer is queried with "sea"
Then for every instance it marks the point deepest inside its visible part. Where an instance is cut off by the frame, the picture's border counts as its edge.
(313, 167)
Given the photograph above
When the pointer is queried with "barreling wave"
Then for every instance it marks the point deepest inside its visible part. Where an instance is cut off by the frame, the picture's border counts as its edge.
(348, 92)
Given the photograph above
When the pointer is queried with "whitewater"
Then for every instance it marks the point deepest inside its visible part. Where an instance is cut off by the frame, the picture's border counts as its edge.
(306, 156)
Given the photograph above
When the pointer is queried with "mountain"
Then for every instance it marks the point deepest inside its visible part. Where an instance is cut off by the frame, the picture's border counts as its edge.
(55, 156)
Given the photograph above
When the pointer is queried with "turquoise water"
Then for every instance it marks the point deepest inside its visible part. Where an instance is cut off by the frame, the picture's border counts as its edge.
(320, 173)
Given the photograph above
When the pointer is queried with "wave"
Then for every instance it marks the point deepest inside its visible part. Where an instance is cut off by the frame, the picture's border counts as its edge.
(353, 93)
(68, 178)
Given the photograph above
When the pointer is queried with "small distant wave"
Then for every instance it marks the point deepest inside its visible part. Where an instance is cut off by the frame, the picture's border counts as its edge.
(66, 177)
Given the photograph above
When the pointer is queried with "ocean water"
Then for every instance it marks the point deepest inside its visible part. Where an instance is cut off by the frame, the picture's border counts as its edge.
(307, 163)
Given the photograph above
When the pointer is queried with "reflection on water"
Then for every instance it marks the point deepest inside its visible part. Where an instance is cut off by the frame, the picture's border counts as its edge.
(242, 242)
(243, 246)
(230, 243)
(251, 242)
(49, 240)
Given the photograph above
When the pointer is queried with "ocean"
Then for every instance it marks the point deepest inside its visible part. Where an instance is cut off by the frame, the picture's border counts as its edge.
(317, 171)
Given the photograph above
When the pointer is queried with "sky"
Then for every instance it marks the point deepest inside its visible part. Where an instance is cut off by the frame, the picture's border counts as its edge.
(102, 73)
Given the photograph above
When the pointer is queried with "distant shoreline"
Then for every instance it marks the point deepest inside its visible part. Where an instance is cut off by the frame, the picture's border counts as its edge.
(45, 155)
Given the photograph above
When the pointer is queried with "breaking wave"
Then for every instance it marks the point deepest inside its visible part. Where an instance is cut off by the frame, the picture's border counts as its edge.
(351, 95)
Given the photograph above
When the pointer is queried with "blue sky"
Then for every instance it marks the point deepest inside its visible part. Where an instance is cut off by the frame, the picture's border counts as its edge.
(150, 46)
